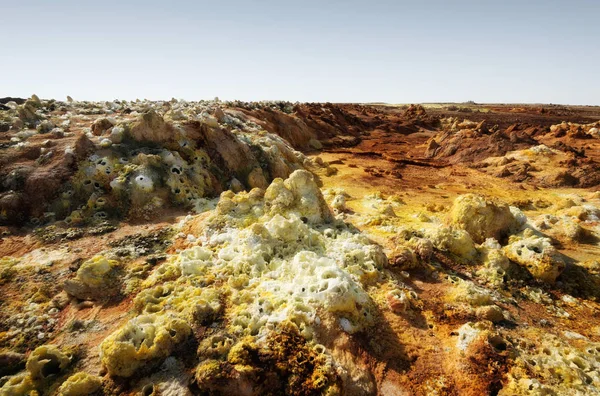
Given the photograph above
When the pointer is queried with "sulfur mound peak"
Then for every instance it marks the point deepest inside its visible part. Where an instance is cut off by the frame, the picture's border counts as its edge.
(264, 260)
(482, 218)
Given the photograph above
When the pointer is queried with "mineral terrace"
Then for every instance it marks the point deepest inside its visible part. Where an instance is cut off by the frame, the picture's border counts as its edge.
(267, 248)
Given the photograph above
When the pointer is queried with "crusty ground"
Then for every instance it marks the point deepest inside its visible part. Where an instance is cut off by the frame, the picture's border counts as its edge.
(407, 354)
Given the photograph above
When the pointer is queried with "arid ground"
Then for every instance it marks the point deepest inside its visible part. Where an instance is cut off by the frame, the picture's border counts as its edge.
(235, 248)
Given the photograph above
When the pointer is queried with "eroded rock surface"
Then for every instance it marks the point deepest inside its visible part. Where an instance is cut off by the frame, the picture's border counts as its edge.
(212, 247)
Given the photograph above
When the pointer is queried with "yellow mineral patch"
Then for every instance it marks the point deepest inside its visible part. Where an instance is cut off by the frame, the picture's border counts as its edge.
(19, 385)
(143, 339)
(96, 278)
(555, 365)
(453, 240)
(467, 292)
(45, 361)
(80, 384)
(536, 254)
(482, 218)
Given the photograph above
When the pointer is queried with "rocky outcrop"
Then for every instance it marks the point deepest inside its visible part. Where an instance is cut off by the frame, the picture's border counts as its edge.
(133, 166)
(469, 142)
(482, 218)
(101, 125)
(151, 127)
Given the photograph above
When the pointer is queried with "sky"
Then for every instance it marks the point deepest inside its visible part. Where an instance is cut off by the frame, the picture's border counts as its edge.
(488, 51)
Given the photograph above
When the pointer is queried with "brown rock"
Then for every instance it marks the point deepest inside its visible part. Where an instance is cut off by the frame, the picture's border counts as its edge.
(100, 126)
(83, 147)
(12, 208)
(236, 156)
(432, 148)
(151, 127)
(256, 178)
(11, 362)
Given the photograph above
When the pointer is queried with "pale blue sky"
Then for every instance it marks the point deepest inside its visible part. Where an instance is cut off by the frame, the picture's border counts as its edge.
(340, 51)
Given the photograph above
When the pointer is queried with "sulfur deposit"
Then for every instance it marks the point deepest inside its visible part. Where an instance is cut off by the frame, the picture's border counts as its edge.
(537, 254)
(96, 278)
(246, 248)
(142, 339)
(268, 258)
(482, 218)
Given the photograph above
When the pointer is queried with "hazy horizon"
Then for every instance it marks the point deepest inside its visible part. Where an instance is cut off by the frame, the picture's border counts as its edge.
(537, 52)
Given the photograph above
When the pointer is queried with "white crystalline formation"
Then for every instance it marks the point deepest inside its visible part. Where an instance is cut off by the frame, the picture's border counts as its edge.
(284, 259)
(275, 256)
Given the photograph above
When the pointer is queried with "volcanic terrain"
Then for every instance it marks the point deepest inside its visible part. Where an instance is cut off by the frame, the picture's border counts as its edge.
(265, 248)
